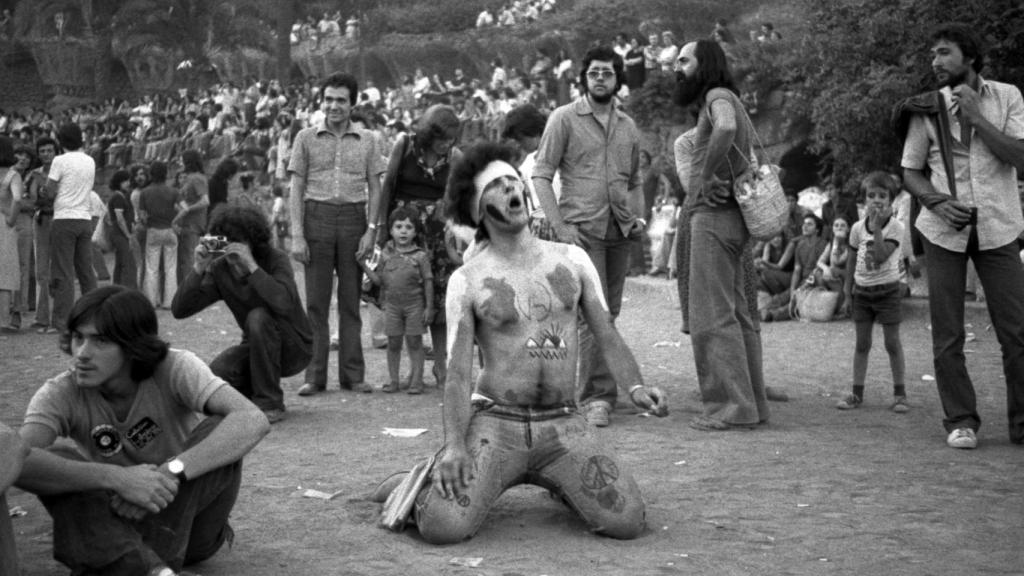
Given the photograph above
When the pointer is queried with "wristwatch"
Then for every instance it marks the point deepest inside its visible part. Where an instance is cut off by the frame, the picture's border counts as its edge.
(176, 467)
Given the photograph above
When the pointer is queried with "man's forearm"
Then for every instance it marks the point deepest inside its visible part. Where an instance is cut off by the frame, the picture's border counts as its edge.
(296, 207)
(546, 195)
(232, 439)
(47, 473)
(920, 188)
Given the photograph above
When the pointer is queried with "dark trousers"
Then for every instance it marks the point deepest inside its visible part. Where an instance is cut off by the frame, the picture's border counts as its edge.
(90, 538)
(256, 365)
(125, 273)
(332, 235)
(70, 258)
(1002, 277)
(610, 256)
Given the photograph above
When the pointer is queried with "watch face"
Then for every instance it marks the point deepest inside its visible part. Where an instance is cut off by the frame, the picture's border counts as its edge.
(176, 466)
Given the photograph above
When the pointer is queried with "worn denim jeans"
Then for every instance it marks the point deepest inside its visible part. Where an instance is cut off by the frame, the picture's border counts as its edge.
(611, 257)
(70, 258)
(256, 365)
(560, 452)
(1002, 277)
(726, 342)
(161, 242)
(332, 235)
(90, 538)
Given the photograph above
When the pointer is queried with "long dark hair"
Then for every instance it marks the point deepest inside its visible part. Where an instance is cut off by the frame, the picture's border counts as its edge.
(127, 318)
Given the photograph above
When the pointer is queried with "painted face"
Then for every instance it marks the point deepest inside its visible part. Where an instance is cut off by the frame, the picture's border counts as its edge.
(403, 232)
(601, 82)
(840, 228)
(687, 60)
(503, 201)
(877, 198)
(337, 105)
(950, 66)
(47, 153)
(97, 360)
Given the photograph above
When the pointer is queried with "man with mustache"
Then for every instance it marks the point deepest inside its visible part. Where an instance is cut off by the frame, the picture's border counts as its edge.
(981, 220)
(519, 298)
(595, 148)
(726, 338)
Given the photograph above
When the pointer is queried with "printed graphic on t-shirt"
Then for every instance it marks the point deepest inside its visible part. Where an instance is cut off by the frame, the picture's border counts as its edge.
(869, 260)
(143, 432)
(107, 440)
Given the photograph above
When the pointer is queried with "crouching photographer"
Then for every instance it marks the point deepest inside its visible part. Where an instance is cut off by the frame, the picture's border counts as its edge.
(238, 265)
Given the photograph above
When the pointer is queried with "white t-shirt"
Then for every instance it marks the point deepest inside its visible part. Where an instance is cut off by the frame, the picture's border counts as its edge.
(75, 174)
(867, 272)
(167, 407)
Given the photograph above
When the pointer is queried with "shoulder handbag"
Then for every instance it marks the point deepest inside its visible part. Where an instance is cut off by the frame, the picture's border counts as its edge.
(101, 235)
(816, 304)
(758, 191)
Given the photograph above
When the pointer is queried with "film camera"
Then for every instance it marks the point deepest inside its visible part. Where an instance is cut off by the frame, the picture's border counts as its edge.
(214, 244)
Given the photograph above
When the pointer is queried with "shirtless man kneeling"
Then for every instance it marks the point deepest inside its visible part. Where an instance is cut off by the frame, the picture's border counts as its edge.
(518, 297)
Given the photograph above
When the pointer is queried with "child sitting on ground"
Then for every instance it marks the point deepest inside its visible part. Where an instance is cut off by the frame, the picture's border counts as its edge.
(872, 287)
(407, 292)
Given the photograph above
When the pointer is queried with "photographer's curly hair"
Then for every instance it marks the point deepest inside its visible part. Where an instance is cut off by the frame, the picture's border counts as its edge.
(241, 223)
(127, 318)
(461, 193)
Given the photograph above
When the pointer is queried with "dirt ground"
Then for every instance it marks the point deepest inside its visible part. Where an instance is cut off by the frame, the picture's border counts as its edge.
(817, 491)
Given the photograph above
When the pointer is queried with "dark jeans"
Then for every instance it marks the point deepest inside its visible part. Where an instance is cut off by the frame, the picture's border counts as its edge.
(555, 449)
(611, 256)
(266, 353)
(125, 273)
(332, 235)
(90, 538)
(1002, 277)
(70, 258)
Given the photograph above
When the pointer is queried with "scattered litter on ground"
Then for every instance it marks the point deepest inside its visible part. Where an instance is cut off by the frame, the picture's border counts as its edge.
(667, 343)
(680, 463)
(928, 378)
(803, 505)
(16, 511)
(466, 561)
(404, 432)
(970, 337)
(311, 493)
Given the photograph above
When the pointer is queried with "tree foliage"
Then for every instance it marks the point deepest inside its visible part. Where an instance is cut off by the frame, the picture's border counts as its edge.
(858, 58)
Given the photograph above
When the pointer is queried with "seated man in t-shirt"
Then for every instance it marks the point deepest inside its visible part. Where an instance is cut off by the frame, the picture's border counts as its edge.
(160, 444)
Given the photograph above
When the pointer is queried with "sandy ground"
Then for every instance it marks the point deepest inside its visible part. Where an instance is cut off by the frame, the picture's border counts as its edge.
(817, 491)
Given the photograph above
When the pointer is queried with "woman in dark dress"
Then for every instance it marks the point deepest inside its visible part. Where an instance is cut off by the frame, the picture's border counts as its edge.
(417, 175)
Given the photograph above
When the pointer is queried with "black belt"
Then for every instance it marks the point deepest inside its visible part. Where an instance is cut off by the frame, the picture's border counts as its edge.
(877, 288)
(523, 414)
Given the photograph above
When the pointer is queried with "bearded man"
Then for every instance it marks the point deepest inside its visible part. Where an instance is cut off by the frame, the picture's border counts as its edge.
(595, 148)
(726, 338)
(975, 214)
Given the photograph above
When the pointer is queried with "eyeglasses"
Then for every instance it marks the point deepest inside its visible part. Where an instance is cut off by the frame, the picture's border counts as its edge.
(601, 74)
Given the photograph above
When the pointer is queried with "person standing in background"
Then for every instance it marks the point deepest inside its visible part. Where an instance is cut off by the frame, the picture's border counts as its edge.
(70, 182)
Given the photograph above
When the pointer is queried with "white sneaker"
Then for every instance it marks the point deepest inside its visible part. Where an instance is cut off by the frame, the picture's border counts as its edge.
(598, 413)
(962, 438)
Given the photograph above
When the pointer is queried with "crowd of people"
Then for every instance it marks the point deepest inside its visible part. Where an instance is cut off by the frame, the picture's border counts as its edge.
(512, 243)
